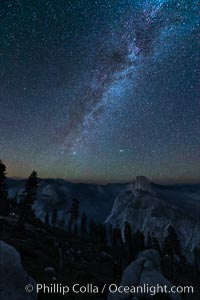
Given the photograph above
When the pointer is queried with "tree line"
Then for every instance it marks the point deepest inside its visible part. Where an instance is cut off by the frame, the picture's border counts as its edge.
(127, 243)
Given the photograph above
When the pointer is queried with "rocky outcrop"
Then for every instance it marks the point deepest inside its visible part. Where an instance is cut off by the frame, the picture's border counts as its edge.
(145, 211)
(142, 184)
(145, 270)
(13, 278)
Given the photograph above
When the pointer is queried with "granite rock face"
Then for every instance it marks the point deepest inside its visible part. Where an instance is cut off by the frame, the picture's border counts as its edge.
(143, 184)
(13, 278)
(145, 211)
(145, 270)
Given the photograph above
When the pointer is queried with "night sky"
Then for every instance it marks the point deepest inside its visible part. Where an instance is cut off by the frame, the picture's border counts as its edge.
(100, 91)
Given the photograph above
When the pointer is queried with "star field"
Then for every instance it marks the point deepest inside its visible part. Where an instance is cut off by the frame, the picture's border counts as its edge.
(100, 91)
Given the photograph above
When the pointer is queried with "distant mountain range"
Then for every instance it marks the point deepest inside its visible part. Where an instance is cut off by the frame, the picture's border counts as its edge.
(146, 206)
(97, 200)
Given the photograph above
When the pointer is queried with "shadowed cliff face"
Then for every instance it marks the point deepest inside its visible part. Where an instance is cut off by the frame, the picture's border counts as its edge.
(144, 210)
(97, 200)
(142, 184)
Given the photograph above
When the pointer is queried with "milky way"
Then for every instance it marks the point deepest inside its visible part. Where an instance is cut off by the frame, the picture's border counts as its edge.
(100, 91)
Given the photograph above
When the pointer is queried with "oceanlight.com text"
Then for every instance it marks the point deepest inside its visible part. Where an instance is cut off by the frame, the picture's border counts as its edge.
(58, 288)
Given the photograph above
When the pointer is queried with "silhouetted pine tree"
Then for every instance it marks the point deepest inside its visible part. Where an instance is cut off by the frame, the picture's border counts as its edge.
(74, 214)
(171, 246)
(155, 244)
(83, 225)
(138, 242)
(69, 227)
(14, 203)
(93, 231)
(148, 241)
(118, 248)
(4, 201)
(128, 240)
(46, 219)
(74, 211)
(75, 229)
(31, 185)
(62, 224)
(117, 237)
(110, 233)
(152, 243)
(171, 243)
(102, 234)
(99, 227)
(54, 217)
(196, 262)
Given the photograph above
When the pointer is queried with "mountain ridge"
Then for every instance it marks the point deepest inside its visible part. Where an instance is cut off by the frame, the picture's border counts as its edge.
(144, 210)
(97, 200)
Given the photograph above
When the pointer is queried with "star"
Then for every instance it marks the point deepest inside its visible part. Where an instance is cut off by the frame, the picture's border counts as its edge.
(100, 88)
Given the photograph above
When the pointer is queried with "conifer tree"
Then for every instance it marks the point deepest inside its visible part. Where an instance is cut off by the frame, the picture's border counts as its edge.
(14, 203)
(69, 227)
(93, 231)
(128, 240)
(102, 234)
(62, 224)
(54, 217)
(30, 196)
(32, 183)
(75, 229)
(2, 176)
(83, 225)
(148, 241)
(117, 237)
(152, 243)
(118, 247)
(155, 244)
(73, 217)
(46, 219)
(171, 246)
(110, 233)
(74, 211)
(138, 242)
(4, 201)
(196, 262)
